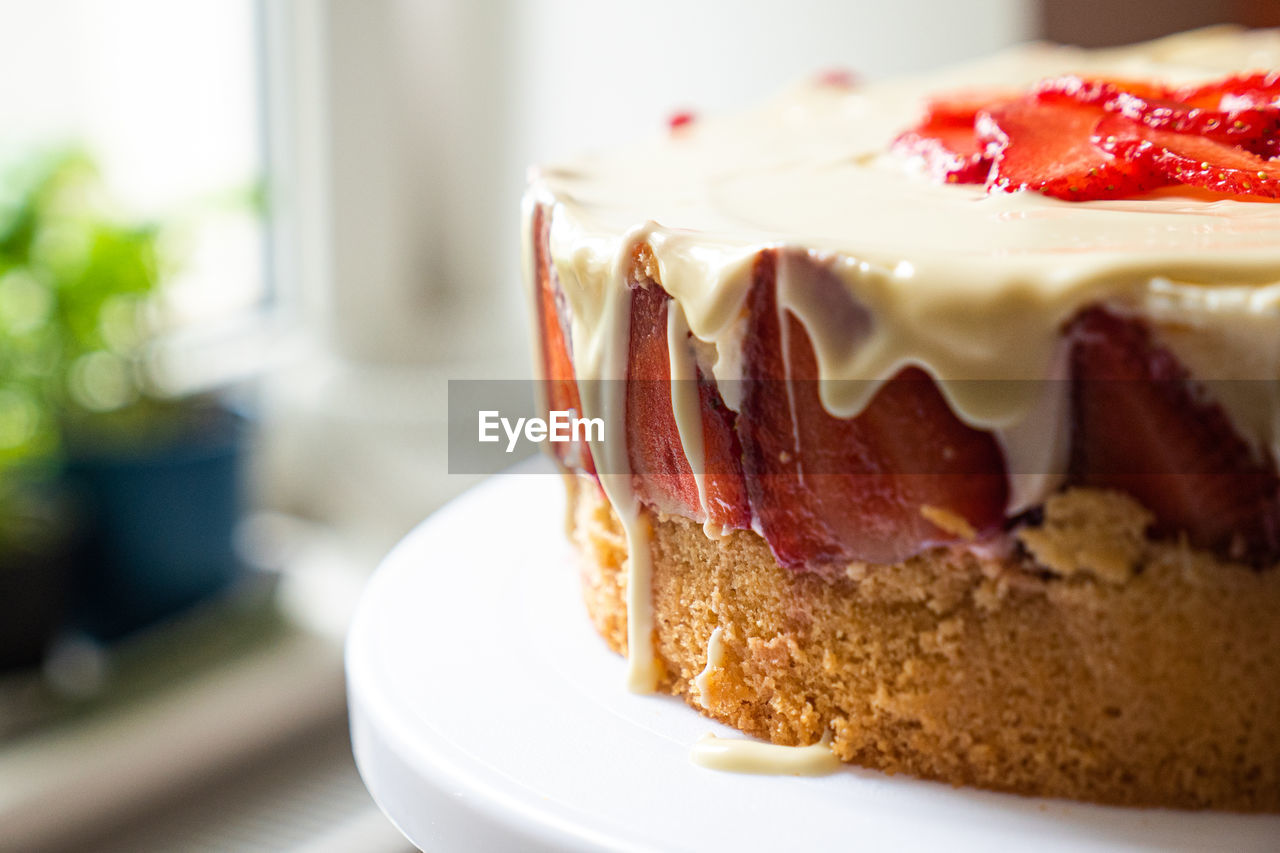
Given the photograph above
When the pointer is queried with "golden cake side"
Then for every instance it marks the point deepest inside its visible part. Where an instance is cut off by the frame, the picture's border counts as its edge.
(1161, 689)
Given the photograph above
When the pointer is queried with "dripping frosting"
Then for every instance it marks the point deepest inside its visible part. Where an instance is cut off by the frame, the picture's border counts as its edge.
(739, 755)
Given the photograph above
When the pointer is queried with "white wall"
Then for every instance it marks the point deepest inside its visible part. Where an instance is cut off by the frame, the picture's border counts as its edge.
(588, 73)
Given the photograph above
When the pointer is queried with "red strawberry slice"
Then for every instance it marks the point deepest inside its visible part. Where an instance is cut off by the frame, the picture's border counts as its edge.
(950, 152)
(962, 107)
(830, 490)
(1192, 160)
(661, 471)
(945, 140)
(728, 503)
(1045, 145)
(559, 385)
(1142, 426)
(1240, 91)
(1160, 108)
(1268, 148)
(1100, 91)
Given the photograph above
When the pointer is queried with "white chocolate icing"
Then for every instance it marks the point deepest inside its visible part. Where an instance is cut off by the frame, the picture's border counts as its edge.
(601, 356)
(739, 755)
(686, 407)
(966, 285)
(715, 660)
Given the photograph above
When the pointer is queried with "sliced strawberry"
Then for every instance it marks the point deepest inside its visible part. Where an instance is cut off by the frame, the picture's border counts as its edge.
(1161, 108)
(1236, 126)
(945, 140)
(1099, 91)
(1192, 160)
(728, 503)
(1268, 148)
(661, 470)
(559, 384)
(1045, 145)
(1142, 426)
(961, 107)
(950, 152)
(829, 490)
(1241, 91)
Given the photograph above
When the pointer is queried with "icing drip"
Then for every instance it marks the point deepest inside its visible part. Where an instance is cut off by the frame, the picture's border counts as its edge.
(738, 755)
(715, 660)
(687, 408)
(600, 348)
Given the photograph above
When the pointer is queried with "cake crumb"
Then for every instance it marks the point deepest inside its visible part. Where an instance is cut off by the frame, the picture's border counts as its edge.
(1091, 531)
(946, 520)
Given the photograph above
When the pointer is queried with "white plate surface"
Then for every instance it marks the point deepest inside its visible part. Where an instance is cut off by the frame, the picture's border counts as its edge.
(487, 715)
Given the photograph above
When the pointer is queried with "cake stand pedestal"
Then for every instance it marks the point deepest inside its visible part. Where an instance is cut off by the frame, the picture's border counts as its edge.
(487, 715)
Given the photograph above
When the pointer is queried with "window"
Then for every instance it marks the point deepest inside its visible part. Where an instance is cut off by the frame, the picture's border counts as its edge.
(166, 98)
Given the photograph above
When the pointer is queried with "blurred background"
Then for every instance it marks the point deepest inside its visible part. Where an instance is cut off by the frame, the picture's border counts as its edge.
(243, 246)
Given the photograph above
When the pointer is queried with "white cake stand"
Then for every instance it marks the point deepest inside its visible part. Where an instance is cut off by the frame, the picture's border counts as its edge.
(487, 715)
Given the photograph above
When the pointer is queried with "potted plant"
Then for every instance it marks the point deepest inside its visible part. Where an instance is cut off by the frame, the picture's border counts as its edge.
(37, 529)
(36, 550)
(153, 476)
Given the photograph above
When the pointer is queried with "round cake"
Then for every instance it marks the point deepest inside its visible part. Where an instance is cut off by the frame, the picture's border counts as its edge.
(939, 416)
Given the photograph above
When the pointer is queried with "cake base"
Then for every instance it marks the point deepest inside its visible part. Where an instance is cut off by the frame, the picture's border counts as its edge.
(1161, 687)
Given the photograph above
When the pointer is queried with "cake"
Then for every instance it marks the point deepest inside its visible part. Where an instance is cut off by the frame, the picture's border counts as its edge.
(940, 416)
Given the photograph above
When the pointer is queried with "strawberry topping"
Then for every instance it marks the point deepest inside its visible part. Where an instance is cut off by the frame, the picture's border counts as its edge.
(961, 108)
(1193, 160)
(945, 141)
(949, 152)
(1156, 106)
(1082, 138)
(1048, 147)
(1237, 92)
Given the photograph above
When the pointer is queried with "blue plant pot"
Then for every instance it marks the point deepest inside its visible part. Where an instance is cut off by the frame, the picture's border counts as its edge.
(158, 527)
